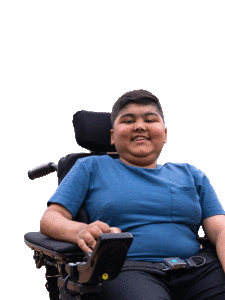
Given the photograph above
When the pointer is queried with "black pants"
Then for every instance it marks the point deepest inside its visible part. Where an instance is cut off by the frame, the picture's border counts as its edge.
(203, 283)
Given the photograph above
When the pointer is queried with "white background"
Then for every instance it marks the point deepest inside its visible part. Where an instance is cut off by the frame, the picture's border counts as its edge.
(58, 57)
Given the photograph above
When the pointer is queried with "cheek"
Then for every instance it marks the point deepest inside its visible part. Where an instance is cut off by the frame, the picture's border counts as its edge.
(157, 132)
(122, 132)
(121, 137)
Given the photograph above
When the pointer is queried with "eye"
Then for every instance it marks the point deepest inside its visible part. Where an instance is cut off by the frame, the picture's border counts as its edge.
(149, 121)
(128, 121)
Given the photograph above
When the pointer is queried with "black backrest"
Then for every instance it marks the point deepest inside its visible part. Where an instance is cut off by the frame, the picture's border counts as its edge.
(92, 132)
(67, 162)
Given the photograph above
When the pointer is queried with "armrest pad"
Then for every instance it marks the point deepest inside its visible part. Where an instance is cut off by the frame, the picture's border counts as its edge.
(56, 249)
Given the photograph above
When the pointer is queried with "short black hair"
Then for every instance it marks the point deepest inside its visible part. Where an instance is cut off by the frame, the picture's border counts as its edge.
(141, 97)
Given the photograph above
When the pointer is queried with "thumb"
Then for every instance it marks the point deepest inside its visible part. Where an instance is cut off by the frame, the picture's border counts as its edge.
(115, 230)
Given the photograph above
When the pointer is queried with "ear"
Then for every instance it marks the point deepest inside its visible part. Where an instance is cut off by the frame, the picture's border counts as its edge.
(165, 135)
(112, 137)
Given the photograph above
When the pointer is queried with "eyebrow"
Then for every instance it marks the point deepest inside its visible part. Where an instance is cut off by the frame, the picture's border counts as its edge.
(133, 115)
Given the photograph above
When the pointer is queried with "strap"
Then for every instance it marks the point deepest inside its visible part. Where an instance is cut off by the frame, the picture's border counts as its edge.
(144, 266)
(160, 268)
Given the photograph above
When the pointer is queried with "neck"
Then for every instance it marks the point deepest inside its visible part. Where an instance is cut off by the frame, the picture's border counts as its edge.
(140, 165)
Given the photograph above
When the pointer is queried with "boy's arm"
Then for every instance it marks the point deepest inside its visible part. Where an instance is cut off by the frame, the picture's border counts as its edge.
(57, 223)
(214, 228)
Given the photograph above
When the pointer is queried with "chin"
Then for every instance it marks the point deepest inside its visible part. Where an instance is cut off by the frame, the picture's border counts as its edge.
(141, 154)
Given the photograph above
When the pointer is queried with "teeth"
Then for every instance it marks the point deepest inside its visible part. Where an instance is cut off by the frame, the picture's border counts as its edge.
(140, 138)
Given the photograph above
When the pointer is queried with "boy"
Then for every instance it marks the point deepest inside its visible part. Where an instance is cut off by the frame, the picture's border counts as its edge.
(162, 206)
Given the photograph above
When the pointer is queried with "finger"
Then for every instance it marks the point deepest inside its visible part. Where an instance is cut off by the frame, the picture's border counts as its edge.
(85, 240)
(115, 230)
(82, 244)
(105, 228)
(89, 240)
(95, 231)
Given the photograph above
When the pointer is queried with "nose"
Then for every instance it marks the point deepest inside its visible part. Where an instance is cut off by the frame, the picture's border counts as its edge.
(140, 125)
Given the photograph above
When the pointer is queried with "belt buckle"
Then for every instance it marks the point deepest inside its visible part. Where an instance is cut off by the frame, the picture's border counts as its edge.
(173, 263)
(191, 262)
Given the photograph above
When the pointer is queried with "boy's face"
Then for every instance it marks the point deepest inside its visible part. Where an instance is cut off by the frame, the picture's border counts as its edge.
(139, 135)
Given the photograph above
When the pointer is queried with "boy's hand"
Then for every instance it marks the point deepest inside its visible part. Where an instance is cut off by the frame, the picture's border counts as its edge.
(86, 239)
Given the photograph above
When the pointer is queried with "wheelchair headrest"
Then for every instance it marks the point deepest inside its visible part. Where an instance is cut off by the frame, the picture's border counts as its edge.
(92, 130)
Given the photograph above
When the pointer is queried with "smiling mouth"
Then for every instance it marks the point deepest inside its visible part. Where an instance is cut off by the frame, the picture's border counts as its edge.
(140, 139)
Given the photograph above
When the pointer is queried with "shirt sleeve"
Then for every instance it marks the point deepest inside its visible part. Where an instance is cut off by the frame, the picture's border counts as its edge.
(209, 201)
(73, 189)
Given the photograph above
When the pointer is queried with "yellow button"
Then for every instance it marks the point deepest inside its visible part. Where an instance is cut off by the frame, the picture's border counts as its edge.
(105, 276)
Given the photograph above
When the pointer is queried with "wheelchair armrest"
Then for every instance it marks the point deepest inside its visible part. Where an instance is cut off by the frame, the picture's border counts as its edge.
(102, 264)
(53, 248)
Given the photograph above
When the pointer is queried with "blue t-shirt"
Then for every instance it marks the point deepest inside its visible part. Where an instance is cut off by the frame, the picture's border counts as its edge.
(162, 208)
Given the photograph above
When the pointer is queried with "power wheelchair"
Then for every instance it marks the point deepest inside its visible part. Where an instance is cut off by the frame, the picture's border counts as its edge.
(70, 273)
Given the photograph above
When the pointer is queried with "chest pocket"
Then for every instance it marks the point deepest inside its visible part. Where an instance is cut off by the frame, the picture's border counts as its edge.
(185, 205)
